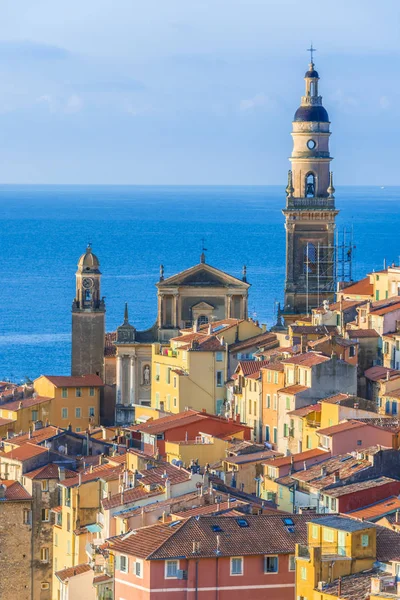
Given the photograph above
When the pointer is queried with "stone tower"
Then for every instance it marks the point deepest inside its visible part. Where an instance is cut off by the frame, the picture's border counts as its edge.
(310, 206)
(88, 318)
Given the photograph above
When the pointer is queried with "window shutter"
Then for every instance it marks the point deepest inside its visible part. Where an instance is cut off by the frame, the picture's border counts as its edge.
(117, 563)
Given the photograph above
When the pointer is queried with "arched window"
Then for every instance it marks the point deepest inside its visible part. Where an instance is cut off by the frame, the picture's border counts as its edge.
(202, 320)
(88, 295)
(310, 185)
(310, 258)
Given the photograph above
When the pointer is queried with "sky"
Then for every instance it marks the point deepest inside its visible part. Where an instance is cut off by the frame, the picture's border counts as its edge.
(193, 91)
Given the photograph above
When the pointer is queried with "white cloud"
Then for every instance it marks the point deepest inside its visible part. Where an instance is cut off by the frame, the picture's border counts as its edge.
(258, 101)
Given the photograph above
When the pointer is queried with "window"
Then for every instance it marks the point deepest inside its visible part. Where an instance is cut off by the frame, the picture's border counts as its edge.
(174, 382)
(64, 393)
(123, 563)
(310, 259)
(175, 402)
(67, 497)
(91, 391)
(267, 433)
(35, 415)
(157, 399)
(68, 522)
(44, 554)
(394, 408)
(310, 185)
(333, 503)
(249, 407)
(171, 569)
(303, 573)
(268, 401)
(364, 540)
(168, 402)
(286, 430)
(45, 485)
(78, 429)
(377, 295)
(269, 374)
(314, 532)
(220, 380)
(328, 535)
(352, 351)
(69, 547)
(275, 435)
(45, 514)
(168, 375)
(44, 585)
(78, 392)
(202, 320)
(270, 564)
(56, 539)
(138, 568)
(27, 516)
(219, 357)
(287, 403)
(78, 413)
(276, 377)
(237, 565)
(275, 401)
(64, 413)
(292, 562)
(91, 411)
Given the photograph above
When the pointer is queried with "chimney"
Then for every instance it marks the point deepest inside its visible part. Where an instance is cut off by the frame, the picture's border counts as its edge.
(195, 326)
(122, 495)
(387, 375)
(323, 471)
(339, 587)
(79, 479)
(209, 329)
(305, 465)
(30, 434)
(91, 469)
(229, 500)
(167, 489)
(61, 473)
(336, 477)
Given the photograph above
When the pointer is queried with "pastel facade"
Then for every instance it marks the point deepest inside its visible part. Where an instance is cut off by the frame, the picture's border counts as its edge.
(273, 380)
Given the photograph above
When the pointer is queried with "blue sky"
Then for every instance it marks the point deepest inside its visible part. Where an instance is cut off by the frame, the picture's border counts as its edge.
(192, 91)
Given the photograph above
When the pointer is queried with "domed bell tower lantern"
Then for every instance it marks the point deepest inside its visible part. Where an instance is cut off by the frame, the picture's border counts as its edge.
(88, 318)
(310, 206)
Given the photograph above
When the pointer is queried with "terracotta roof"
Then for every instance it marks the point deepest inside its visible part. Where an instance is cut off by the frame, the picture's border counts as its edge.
(24, 452)
(307, 359)
(359, 288)
(199, 342)
(251, 366)
(300, 457)
(379, 373)
(385, 309)
(24, 403)
(35, 437)
(351, 488)
(227, 323)
(14, 491)
(50, 471)
(344, 465)
(340, 427)
(377, 510)
(75, 381)
(238, 535)
(257, 340)
(313, 329)
(182, 419)
(306, 410)
(346, 304)
(117, 459)
(209, 509)
(274, 366)
(6, 421)
(66, 574)
(102, 579)
(110, 348)
(106, 472)
(353, 587)
(293, 389)
(362, 333)
(336, 398)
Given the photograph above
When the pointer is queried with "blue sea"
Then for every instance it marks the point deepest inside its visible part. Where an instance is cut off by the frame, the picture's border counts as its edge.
(133, 229)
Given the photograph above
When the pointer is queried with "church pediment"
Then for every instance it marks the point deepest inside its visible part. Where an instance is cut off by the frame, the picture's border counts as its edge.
(203, 275)
(203, 306)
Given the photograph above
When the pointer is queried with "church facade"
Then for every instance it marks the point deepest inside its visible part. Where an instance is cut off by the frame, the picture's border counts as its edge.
(310, 206)
(199, 295)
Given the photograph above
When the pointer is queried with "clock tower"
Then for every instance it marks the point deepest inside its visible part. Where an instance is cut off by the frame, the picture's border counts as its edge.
(88, 318)
(310, 206)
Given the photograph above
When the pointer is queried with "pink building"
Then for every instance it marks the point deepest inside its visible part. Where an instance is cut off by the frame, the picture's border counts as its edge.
(354, 435)
(210, 557)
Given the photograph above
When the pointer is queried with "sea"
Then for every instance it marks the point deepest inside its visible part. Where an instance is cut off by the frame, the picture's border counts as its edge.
(134, 229)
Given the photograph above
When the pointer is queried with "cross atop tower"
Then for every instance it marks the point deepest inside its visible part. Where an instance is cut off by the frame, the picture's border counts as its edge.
(203, 251)
(311, 50)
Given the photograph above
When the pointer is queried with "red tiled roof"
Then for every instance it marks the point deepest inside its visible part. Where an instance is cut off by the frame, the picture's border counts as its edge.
(66, 574)
(305, 410)
(362, 333)
(340, 427)
(274, 366)
(345, 465)
(102, 579)
(144, 541)
(252, 457)
(6, 421)
(313, 329)
(209, 509)
(251, 366)
(379, 373)
(50, 471)
(300, 457)
(107, 472)
(182, 419)
(75, 381)
(24, 452)
(385, 309)
(35, 437)
(308, 359)
(359, 288)
(377, 510)
(199, 342)
(257, 340)
(293, 389)
(351, 488)
(336, 399)
(14, 491)
(24, 403)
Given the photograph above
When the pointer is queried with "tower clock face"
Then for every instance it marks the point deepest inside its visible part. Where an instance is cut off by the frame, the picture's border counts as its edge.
(87, 283)
(311, 144)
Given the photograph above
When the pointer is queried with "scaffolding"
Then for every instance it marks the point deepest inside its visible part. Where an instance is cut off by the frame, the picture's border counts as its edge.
(326, 265)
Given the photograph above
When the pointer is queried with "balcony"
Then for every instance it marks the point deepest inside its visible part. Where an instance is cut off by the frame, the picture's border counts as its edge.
(167, 351)
(306, 203)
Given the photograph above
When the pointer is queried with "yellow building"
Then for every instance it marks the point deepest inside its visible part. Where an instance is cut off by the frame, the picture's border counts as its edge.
(189, 372)
(205, 449)
(20, 415)
(77, 519)
(75, 401)
(337, 547)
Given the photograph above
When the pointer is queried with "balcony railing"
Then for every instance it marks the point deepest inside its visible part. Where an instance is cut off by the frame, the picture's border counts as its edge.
(304, 203)
(167, 351)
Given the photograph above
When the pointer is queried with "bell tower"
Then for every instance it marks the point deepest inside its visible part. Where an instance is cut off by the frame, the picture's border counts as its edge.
(88, 318)
(310, 206)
